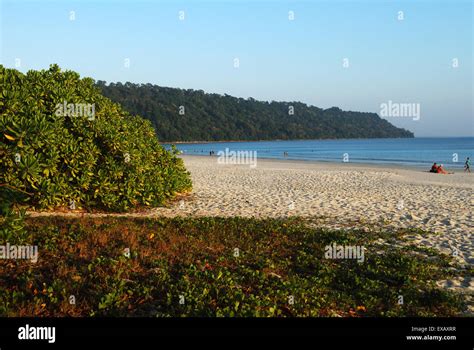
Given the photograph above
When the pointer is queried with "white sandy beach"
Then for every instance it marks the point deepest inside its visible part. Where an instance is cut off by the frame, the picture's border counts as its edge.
(339, 195)
(342, 195)
(334, 195)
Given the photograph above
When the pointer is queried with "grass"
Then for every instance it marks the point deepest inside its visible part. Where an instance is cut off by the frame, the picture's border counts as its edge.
(218, 267)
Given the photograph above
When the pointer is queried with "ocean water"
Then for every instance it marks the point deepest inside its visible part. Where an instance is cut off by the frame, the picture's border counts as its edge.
(416, 152)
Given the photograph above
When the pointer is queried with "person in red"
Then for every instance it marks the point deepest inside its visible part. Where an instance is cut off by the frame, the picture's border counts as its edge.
(441, 170)
(434, 168)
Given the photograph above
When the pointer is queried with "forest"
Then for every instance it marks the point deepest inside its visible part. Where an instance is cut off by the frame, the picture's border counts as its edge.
(185, 115)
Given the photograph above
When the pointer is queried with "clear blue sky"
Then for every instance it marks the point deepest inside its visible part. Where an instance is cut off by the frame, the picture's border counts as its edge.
(300, 60)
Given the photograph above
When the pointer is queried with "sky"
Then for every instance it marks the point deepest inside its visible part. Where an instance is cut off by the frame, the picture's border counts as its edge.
(356, 55)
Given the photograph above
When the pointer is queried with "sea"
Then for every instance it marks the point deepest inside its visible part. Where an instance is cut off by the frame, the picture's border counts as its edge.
(419, 152)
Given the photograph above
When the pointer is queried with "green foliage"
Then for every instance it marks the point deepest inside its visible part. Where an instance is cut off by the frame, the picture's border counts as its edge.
(66, 159)
(12, 227)
(188, 267)
(213, 117)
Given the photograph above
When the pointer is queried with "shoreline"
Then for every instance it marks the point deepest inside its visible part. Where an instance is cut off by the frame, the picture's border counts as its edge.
(330, 163)
(282, 140)
(296, 140)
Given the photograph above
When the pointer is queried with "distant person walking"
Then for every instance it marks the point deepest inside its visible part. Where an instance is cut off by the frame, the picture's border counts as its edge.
(467, 165)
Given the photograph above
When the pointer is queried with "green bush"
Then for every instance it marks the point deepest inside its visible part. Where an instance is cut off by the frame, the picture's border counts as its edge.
(110, 161)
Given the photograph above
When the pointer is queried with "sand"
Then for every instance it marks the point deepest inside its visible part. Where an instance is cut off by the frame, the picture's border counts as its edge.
(339, 195)
(335, 195)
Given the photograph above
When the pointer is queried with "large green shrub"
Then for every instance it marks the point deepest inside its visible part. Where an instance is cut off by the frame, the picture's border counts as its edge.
(110, 161)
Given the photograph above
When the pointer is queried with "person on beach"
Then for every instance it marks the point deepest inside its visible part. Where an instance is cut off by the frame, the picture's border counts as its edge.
(434, 168)
(440, 170)
(467, 165)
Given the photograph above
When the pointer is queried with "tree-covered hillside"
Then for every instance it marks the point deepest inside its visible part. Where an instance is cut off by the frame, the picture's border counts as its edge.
(190, 115)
